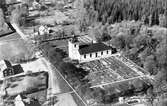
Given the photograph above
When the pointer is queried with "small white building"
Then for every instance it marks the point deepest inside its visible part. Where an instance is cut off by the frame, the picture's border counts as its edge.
(43, 29)
(36, 5)
(88, 52)
(19, 101)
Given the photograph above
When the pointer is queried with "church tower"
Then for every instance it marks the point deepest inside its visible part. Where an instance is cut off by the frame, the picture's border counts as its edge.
(73, 48)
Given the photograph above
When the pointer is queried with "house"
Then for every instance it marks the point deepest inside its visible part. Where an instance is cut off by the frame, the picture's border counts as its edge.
(88, 52)
(16, 69)
(3, 65)
(43, 29)
(21, 100)
(6, 69)
(36, 5)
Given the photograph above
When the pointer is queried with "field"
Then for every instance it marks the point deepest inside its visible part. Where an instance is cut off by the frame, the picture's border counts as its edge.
(26, 84)
(12, 46)
(110, 70)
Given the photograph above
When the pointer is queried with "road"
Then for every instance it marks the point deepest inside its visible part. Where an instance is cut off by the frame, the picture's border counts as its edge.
(64, 99)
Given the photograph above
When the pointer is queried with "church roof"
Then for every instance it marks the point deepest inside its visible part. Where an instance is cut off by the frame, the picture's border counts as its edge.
(95, 47)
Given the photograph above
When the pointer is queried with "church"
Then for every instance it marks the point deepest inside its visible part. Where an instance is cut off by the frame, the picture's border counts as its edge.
(88, 52)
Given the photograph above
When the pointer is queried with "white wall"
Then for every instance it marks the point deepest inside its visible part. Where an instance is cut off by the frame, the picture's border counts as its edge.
(73, 51)
(88, 58)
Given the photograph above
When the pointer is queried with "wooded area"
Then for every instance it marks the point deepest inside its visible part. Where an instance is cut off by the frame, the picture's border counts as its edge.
(151, 12)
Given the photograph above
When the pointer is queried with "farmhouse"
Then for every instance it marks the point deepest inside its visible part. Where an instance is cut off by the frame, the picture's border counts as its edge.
(16, 69)
(88, 52)
(6, 69)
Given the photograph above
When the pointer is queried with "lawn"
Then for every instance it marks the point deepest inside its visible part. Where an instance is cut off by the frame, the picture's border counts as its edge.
(12, 47)
(26, 84)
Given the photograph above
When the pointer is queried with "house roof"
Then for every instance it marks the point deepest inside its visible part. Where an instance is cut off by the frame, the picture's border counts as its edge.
(17, 69)
(95, 47)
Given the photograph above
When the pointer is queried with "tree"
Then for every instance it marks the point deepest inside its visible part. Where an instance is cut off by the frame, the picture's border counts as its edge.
(160, 79)
(154, 19)
(138, 84)
(2, 20)
(150, 65)
(19, 14)
(95, 34)
(161, 53)
(118, 42)
(15, 16)
(163, 19)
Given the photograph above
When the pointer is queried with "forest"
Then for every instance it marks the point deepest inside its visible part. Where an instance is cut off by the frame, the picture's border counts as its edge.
(151, 12)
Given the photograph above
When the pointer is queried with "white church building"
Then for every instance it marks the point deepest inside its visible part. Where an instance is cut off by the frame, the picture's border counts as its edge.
(88, 52)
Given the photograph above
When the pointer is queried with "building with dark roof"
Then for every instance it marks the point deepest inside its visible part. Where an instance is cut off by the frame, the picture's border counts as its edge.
(88, 52)
(16, 69)
(6, 69)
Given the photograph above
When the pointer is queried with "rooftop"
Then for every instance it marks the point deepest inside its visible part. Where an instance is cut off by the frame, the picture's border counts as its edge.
(94, 47)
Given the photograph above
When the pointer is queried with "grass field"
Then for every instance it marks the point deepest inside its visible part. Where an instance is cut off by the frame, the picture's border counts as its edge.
(12, 46)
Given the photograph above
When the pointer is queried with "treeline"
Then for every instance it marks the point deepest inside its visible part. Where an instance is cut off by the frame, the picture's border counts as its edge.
(151, 12)
(145, 46)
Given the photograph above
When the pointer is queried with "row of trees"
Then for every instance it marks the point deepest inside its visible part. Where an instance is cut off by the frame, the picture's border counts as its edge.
(19, 14)
(2, 20)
